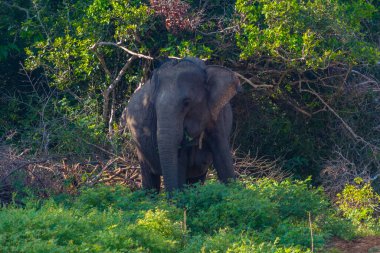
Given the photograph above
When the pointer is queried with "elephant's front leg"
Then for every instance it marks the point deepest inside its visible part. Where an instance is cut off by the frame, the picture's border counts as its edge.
(222, 158)
(218, 140)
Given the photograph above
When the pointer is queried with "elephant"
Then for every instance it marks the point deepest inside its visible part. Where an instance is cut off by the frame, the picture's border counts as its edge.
(180, 121)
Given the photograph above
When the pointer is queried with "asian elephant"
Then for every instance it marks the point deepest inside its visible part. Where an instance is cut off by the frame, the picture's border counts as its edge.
(180, 121)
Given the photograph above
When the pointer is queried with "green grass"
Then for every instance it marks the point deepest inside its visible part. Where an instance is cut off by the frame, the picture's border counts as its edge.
(266, 216)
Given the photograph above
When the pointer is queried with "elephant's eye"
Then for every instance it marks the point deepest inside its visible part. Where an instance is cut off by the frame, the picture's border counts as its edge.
(186, 102)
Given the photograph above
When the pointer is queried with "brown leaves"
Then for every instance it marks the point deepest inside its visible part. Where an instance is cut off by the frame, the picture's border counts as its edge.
(176, 14)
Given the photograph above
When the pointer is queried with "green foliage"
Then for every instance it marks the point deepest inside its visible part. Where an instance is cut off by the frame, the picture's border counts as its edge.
(308, 34)
(55, 229)
(267, 216)
(52, 123)
(288, 44)
(58, 39)
(227, 241)
(215, 208)
(358, 203)
(274, 132)
(185, 47)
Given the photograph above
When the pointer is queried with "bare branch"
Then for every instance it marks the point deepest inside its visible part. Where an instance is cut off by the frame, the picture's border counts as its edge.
(369, 79)
(14, 170)
(231, 28)
(348, 128)
(248, 165)
(175, 57)
(112, 114)
(102, 62)
(298, 109)
(40, 20)
(18, 7)
(112, 86)
(333, 112)
(256, 86)
(343, 166)
(102, 43)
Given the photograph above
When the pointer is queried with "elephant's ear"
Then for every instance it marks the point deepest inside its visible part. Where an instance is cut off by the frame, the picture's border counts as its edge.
(222, 85)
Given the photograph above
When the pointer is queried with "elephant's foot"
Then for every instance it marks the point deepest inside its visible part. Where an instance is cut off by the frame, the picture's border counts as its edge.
(200, 179)
(150, 180)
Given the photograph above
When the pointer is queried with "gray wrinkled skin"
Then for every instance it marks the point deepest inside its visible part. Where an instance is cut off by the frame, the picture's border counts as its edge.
(180, 121)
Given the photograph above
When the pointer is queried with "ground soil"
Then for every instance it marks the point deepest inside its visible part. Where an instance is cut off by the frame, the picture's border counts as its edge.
(370, 244)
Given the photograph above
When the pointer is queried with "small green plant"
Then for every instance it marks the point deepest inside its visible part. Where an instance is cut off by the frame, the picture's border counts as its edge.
(358, 203)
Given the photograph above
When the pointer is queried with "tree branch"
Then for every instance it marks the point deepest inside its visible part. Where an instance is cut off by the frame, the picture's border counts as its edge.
(102, 43)
(102, 62)
(256, 86)
(111, 87)
(348, 128)
(297, 108)
(19, 8)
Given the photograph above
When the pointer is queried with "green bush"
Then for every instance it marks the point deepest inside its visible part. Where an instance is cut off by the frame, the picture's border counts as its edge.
(266, 216)
(358, 203)
(217, 206)
(53, 228)
(307, 34)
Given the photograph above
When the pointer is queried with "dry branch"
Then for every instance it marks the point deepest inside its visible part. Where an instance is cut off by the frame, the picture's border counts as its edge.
(256, 86)
(108, 110)
(19, 167)
(111, 88)
(17, 7)
(343, 167)
(247, 165)
(102, 43)
(346, 126)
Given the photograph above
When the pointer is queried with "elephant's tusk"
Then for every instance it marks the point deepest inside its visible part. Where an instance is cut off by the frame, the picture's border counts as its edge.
(200, 140)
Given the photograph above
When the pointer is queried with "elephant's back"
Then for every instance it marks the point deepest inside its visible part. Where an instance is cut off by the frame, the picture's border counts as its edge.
(140, 97)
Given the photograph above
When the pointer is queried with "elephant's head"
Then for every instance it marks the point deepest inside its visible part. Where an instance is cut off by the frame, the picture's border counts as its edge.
(187, 90)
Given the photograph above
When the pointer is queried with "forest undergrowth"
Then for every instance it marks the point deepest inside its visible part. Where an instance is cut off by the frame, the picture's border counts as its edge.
(58, 207)
(247, 216)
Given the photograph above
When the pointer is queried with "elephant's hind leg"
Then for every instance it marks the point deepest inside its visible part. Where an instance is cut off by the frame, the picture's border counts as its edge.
(149, 180)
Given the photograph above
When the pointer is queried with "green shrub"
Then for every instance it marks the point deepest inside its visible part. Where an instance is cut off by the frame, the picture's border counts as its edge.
(295, 198)
(306, 33)
(266, 216)
(215, 206)
(228, 241)
(56, 229)
(358, 202)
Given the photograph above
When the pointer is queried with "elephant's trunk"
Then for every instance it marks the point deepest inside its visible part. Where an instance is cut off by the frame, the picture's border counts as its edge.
(169, 135)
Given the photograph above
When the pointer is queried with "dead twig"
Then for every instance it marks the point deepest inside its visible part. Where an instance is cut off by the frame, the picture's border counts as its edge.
(256, 86)
(19, 167)
(102, 43)
(346, 126)
(248, 165)
(111, 87)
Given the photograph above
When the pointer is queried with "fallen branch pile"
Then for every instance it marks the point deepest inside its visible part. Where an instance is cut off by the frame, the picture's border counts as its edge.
(49, 176)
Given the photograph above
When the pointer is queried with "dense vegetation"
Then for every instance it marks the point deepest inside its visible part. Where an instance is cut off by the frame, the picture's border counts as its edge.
(68, 71)
(265, 216)
(311, 106)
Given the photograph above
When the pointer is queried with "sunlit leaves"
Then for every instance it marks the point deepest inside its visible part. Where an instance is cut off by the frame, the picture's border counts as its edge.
(359, 201)
(311, 33)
